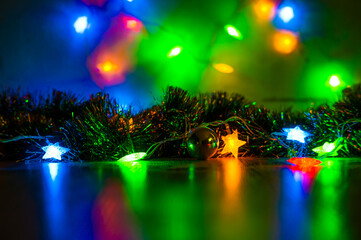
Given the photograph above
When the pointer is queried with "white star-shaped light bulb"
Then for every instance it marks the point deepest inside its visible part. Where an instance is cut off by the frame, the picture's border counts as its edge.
(54, 151)
(296, 134)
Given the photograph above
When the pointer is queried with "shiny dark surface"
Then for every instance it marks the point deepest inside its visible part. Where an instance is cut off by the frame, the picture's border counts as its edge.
(214, 199)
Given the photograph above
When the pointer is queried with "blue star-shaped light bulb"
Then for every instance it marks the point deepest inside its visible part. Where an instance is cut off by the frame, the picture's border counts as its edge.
(54, 151)
(296, 134)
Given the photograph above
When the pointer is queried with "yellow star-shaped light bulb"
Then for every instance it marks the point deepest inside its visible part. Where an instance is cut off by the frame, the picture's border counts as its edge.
(54, 151)
(232, 143)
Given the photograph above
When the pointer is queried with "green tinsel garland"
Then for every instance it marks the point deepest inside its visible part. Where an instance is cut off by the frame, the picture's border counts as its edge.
(97, 129)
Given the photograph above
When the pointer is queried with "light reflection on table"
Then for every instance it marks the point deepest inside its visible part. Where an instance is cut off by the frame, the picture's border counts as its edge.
(215, 199)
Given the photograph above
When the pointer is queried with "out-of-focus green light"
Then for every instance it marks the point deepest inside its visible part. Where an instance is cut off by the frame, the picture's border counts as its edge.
(191, 146)
(334, 81)
(174, 52)
(231, 30)
(133, 157)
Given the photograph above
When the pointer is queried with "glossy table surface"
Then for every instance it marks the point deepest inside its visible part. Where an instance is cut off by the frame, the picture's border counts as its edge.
(178, 199)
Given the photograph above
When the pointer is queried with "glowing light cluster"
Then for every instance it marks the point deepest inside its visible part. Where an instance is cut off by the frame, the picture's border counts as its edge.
(285, 42)
(81, 24)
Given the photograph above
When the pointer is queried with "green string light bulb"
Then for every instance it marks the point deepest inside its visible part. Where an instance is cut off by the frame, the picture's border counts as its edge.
(234, 32)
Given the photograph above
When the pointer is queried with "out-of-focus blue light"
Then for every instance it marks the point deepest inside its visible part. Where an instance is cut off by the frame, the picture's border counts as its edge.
(286, 14)
(289, 16)
(81, 24)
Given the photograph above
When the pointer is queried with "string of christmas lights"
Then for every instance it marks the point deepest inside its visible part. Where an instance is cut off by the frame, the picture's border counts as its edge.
(182, 126)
